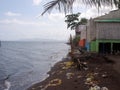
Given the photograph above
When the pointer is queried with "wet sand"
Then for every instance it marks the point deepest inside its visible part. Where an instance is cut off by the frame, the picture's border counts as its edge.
(66, 76)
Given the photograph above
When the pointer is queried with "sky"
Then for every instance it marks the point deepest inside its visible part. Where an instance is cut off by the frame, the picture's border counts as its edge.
(21, 20)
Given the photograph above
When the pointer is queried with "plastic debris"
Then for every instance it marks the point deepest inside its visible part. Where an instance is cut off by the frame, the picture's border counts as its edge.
(104, 76)
(96, 87)
(85, 63)
(104, 88)
(88, 80)
(69, 75)
(70, 63)
(60, 72)
(90, 77)
(54, 82)
(96, 74)
(67, 65)
(52, 73)
(79, 76)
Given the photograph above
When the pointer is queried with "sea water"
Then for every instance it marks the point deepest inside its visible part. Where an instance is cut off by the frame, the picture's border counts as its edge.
(23, 64)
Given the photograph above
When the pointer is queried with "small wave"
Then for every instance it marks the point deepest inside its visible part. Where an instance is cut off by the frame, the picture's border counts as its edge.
(7, 85)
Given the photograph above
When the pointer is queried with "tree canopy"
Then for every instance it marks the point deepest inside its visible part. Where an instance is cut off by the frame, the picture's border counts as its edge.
(73, 21)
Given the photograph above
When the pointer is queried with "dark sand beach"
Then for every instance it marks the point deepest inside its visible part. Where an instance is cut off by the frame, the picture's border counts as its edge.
(100, 74)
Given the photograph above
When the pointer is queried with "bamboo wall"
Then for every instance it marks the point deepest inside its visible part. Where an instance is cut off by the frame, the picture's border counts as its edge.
(91, 31)
(104, 30)
(107, 30)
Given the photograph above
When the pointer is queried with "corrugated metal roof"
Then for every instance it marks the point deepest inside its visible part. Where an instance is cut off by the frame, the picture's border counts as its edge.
(108, 20)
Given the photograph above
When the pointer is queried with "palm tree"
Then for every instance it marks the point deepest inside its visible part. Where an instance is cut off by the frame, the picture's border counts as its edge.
(72, 21)
(67, 5)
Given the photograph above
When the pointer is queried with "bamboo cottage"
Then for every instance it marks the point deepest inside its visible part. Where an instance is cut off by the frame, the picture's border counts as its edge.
(103, 33)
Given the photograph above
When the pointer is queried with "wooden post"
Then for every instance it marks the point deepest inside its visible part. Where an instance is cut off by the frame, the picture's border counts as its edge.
(71, 44)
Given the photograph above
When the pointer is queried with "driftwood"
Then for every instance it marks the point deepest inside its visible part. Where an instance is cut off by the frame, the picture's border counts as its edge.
(81, 65)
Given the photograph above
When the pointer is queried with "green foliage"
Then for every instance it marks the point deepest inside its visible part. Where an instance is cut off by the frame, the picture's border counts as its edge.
(76, 40)
(83, 21)
(72, 20)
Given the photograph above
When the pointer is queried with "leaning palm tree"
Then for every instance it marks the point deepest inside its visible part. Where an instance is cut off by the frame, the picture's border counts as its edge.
(67, 5)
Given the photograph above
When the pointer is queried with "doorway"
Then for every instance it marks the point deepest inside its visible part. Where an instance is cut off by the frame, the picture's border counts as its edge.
(105, 48)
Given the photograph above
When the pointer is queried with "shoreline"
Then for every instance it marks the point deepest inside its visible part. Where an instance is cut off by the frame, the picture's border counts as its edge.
(62, 77)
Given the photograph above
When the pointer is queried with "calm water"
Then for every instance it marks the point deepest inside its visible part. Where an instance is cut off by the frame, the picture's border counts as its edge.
(25, 63)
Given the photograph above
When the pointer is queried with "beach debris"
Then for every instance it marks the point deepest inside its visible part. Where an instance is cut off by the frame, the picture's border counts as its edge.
(54, 82)
(81, 65)
(104, 75)
(79, 76)
(96, 73)
(90, 80)
(69, 75)
(85, 63)
(60, 72)
(67, 65)
(90, 75)
(96, 87)
(52, 73)
(93, 83)
(104, 88)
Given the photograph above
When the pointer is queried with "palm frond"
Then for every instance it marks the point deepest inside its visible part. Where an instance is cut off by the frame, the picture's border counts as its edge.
(67, 5)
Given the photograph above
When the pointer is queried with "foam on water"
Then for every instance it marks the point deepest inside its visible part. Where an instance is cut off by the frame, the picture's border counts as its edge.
(7, 85)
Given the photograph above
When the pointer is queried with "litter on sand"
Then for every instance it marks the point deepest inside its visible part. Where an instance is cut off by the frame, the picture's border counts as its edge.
(69, 75)
(67, 65)
(54, 82)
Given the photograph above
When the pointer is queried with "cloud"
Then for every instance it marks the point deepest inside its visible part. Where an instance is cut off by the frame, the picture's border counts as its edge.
(9, 13)
(36, 2)
(78, 4)
(56, 17)
(22, 22)
(93, 12)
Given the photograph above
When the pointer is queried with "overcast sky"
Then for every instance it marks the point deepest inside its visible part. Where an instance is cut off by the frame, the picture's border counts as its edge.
(20, 19)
